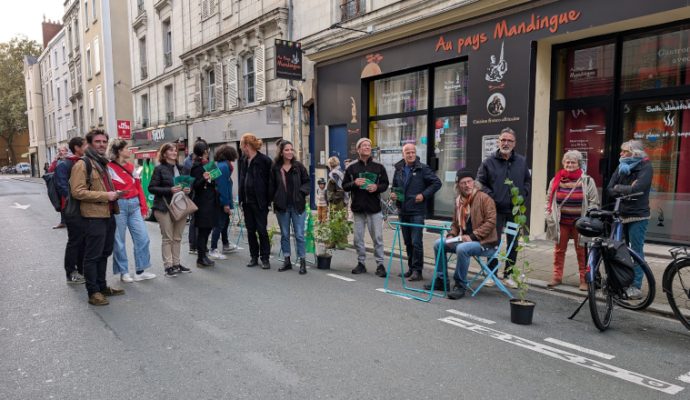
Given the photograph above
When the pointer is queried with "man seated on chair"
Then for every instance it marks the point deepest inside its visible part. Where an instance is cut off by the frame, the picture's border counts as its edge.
(474, 222)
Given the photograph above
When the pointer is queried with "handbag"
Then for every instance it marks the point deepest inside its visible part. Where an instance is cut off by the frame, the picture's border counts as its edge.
(553, 229)
(180, 206)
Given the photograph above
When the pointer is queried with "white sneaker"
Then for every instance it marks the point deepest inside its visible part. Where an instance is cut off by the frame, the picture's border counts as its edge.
(229, 248)
(634, 293)
(126, 278)
(490, 283)
(216, 254)
(144, 276)
(510, 283)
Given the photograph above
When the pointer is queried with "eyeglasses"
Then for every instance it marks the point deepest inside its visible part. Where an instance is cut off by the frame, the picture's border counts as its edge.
(507, 141)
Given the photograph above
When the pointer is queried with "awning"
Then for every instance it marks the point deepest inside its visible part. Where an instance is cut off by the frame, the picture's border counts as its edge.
(25, 155)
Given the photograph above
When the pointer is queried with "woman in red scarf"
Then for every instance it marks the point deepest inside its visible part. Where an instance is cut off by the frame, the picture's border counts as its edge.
(571, 193)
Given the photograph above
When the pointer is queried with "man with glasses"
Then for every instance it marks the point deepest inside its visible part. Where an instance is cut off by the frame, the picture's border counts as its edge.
(505, 164)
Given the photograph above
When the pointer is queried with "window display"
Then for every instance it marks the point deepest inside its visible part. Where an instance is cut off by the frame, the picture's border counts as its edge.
(399, 94)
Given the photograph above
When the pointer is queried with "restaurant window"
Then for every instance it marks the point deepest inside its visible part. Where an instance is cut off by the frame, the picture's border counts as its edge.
(587, 70)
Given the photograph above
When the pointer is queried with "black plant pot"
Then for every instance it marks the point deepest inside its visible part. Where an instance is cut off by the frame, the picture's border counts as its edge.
(521, 312)
(323, 261)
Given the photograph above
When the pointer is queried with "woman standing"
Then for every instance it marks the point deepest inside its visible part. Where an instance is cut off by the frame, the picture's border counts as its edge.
(288, 188)
(133, 209)
(334, 188)
(571, 193)
(206, 200)
(162, 186)
(224, 157)
(633, 175)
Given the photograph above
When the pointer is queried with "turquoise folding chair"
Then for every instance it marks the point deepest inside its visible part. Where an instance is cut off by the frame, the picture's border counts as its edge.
(486, 272)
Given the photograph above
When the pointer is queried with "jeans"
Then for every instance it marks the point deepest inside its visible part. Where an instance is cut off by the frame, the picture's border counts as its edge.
(99, 239)
(220, 231)
(130, 217)
(256, 220)
(375, 223)
(413, 241)
(501, 220)
(297, 220)
(74, 250)
(171, 233)
(635, 233)
(464, 251)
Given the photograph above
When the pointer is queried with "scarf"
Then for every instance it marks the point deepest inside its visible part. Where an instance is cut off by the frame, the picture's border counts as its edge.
(463, 207)
(562, 175)
(101, 163)
(627, 164)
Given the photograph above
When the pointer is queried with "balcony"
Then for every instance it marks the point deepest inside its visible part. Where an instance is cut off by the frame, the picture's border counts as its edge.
(169, 117)
(351, 9)
(167, 59)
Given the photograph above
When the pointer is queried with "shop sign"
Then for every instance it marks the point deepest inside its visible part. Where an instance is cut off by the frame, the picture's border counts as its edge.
(124, 129)
(288, 59)
(146, 154)
(158, 135)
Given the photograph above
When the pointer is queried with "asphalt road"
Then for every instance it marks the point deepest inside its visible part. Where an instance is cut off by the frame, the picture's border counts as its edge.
(232, 332)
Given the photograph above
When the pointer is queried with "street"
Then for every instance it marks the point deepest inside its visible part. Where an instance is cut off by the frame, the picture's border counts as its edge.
(231, 332)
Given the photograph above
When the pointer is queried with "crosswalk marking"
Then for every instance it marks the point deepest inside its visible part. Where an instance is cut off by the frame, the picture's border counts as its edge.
(346, 279)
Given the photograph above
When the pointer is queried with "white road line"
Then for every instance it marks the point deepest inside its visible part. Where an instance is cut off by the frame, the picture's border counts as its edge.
(606, 369)
(383, 290)
(341, 277)
(472, 317)
(580, 349)
(685, 378)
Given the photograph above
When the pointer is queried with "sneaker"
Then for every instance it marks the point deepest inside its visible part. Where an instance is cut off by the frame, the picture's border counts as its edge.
(170, 272)
(192, 251)
(126, 278)
(490, 283)
(75, 278)
(381, 271)
(109, 291)
(229, 248)
(182, 269)
(633, 293)
(97, 299)
(359, 269)
(216, 254)
(457, 293)
(144, 276)
(510, 283)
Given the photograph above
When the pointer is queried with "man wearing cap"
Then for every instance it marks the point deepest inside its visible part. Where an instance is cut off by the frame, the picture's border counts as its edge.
(366, 179)
(474, 227)
(416, 182)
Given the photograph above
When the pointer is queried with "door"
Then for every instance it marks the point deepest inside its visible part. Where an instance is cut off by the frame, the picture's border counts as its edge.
(337, 142)
(450, 144)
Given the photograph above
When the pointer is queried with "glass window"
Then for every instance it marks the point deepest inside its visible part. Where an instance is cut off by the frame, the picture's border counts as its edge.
(390, 135)
(583, 129)
(249, 79)
(399, 94)
(450, 85)
(655, 61)
(450, 146)
(585, 71)
(211, 90)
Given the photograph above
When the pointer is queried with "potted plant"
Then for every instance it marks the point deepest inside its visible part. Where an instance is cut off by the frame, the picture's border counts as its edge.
(521, 309)
(331, 234)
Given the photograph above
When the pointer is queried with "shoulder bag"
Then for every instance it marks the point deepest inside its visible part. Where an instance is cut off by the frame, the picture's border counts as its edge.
(180, 206)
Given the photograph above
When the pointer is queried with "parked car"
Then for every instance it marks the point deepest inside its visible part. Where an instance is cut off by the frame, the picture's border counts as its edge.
(23, 168)
(8, 169)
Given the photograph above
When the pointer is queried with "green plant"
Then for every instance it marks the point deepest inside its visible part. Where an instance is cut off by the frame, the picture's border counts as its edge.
(271, 232)
(521, 270)
(334, 231)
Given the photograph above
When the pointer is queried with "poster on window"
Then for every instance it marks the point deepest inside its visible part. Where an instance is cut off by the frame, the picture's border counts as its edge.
(585, 131)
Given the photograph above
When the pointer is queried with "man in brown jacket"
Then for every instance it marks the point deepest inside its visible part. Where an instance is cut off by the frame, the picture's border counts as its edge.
(98, 205)
(473, 232)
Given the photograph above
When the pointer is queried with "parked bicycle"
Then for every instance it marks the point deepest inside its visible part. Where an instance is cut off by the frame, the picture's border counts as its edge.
(604, 288)
(676, 284)
(389, 211)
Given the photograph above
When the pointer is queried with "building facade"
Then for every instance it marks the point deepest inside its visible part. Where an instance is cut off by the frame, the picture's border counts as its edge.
(34, 113)
(73, 36)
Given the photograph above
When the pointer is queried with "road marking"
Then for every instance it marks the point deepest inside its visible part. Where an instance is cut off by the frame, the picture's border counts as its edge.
(606, 369)
(341, 277)
(472, 317)
(20, 206)
(580, 349)
(383, 290)
(685, 378)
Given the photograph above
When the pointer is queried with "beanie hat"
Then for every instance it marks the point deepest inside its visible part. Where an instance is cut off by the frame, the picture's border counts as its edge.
(362, 140)
(462, 174)
(321, 181)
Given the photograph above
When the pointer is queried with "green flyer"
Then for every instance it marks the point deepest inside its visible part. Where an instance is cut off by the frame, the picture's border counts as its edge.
(213, 170)
(370, 178)
(184, 181)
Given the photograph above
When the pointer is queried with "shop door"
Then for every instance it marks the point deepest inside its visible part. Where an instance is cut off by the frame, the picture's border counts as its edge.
(449, 142)
(337, 142)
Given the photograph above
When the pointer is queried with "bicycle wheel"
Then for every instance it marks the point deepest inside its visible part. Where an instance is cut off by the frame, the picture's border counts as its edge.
(648, 288)
(600, 300)
(677, 287)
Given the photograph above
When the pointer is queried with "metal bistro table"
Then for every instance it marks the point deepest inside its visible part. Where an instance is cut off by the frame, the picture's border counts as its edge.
(440, 262)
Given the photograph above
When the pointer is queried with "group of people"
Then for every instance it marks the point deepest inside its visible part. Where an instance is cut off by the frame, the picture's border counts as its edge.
(102, 198)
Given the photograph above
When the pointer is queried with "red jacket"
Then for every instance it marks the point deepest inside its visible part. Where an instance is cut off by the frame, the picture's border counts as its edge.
(124, 178)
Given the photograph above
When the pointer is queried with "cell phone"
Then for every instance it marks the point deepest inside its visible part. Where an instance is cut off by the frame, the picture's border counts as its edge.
(121, 192)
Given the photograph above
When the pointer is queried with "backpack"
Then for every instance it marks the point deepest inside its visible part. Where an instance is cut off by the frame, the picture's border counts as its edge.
(619, 265)
(51, 187)
(73, 206)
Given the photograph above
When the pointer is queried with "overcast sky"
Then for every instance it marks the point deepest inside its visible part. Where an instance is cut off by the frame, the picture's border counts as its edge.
(25, 17)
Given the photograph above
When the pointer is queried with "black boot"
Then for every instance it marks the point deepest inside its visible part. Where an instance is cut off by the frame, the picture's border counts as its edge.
(254, 262)
(286, 265)
(302, 266)
(265, 264)
(204, 262)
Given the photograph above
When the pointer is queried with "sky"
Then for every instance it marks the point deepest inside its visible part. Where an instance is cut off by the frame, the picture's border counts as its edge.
(25, 17)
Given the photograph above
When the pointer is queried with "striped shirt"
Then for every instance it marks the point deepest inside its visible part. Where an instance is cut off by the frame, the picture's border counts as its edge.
(572, 208)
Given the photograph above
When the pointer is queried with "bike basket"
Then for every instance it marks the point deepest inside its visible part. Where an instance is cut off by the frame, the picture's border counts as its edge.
(590, 227)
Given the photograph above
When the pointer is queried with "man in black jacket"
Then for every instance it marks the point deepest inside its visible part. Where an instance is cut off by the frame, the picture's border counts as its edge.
(366, 180)
(505, 164)
(417, 183)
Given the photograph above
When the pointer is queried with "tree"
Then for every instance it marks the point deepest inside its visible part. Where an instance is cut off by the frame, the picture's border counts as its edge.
(13, 120)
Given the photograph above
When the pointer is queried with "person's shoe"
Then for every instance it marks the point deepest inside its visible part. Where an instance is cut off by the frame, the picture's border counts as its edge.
(510, 283)
(302, 266)
(60, 226)
(75, 278)
(144, 276)
(633, 293)
(182, 269)
(170, 272)
(552, 284)
(457, 293)
(204, 262)
(490, 283)
(216, 254)
(287, 265)
(265, 264)
(359, 269)
(437, 285)
(97, 299)
(229, 248)
(126, 278)
(192, 251)
(406, 274)
(381, 271)
(109, 291)
(254, 262)
(416, 276)
(583, 286)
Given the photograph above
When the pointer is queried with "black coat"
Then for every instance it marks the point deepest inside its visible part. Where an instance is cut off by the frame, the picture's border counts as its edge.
(493, 173)
(205, 197)
(162, 181)
(422, 181)
(639, 180)
(301, 183)
(259, 173)
(362, 201)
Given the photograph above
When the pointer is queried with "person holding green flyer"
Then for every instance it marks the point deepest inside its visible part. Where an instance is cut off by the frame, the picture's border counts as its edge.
(224, 156)
(206, 200)
(366, 180)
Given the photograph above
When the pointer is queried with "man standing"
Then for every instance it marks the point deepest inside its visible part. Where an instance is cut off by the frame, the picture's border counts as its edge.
(74, 250)
(91, 185)
(474, 226)
(417, 183)
(505, 164)
(366, 179)
(63, 153)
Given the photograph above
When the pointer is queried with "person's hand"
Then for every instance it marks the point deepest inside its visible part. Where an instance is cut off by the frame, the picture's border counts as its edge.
(226, 209)
(207, 176)
(372, 188)
(466, 238)
(175, 189)
(394, 196)
(419, 198)
(186, 190)
(360, 181)
(112, 196)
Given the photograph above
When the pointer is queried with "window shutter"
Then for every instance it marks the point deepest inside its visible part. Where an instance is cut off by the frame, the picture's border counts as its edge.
(204, 9)
(260, 69)
(96, 55)
(231, 69)
(196, 93)
(218, 87)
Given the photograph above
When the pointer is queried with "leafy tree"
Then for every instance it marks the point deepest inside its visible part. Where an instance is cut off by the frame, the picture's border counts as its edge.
(13, 120)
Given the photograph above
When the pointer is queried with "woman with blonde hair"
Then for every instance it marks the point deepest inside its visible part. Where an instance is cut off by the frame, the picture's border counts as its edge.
(335, 194)
(571, 193)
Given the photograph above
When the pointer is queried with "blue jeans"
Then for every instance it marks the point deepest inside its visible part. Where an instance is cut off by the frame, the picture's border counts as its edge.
(297, 220)
(413, 241)
(220, 231)
(464, 251)
(130, 217)
(635, 233)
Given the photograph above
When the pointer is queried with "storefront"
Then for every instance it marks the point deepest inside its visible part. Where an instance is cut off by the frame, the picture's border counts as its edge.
(145, 143)
(585, 75)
